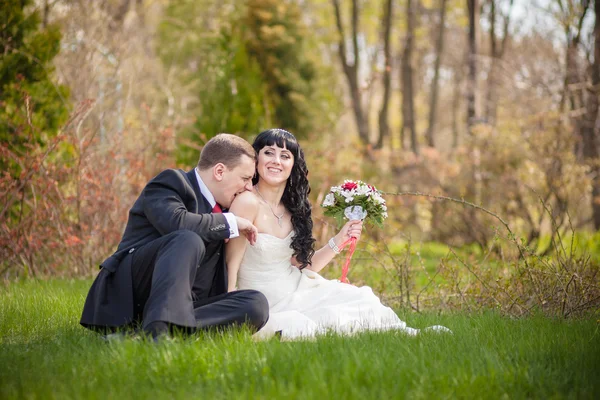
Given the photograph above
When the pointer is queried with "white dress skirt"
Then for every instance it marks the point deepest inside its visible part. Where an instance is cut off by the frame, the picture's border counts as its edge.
(303, 304)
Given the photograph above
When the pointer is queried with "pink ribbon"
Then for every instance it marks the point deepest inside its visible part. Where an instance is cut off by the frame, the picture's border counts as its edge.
(352, 242)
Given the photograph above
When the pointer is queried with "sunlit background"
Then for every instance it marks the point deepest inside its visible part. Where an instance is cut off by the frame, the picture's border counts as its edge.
(477, 118)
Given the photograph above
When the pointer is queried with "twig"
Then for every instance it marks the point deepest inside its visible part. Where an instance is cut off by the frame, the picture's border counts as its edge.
(426, 286)
(582, 306)
(467, 203)
(484, 284)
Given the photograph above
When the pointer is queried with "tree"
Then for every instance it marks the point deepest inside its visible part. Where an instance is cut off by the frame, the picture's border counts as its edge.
(589, 131)
(350, 68)
(28, 95)
(497, 50)
(384, 128)
(433, 99)
(581, 102)
(473, 8)
(571, 18)
(274, 38)
(246, 68)
(221, 87)
(406, 77)
(33, 109)
(235, 98)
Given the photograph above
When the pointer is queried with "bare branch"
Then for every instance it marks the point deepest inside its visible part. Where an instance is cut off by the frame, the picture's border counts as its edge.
(355, 33)
(340, 28)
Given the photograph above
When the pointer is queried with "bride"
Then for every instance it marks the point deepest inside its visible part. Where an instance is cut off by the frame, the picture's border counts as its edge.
(283, 264)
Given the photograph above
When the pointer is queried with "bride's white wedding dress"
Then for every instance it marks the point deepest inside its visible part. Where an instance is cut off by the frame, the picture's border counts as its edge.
(304, 304)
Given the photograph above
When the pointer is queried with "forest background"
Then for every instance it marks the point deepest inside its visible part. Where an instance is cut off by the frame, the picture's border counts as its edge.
(477, 118)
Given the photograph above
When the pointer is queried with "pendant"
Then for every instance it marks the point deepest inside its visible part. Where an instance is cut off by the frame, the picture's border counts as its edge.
(279, 221)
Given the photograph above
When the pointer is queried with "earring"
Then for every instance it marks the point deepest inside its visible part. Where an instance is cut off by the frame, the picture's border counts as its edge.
(291, 181)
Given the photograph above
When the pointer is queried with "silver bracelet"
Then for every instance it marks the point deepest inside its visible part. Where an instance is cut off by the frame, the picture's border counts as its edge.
(333, 246)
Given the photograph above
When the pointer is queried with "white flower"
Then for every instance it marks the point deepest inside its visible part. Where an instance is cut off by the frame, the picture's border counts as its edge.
(378, 199)
(363, 190)
(349, 193)
(349, 199)
(329, 200)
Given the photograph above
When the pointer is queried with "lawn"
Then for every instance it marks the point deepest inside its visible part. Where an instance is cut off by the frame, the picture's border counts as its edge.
(44, 353)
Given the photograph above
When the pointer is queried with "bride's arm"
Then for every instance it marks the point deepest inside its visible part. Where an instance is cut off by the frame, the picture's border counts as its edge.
(324, 255)
(244, 205)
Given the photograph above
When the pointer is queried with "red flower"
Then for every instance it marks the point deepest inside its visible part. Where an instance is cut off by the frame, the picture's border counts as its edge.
(349, 186)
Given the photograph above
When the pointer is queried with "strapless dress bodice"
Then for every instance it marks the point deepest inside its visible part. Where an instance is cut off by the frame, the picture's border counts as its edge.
(267, 267)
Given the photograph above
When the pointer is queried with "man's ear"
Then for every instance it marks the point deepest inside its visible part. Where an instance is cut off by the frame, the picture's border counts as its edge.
(218, 171)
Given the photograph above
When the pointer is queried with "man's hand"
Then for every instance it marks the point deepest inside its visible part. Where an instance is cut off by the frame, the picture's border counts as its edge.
(247, 229)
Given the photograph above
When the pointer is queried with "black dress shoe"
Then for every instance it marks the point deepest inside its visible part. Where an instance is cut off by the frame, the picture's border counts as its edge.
(114, 337)
(157, 330)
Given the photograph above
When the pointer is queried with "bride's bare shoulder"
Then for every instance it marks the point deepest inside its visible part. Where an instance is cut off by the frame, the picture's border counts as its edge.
(245, 201)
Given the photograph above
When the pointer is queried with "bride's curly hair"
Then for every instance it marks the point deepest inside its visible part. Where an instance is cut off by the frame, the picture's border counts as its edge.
(295, 195)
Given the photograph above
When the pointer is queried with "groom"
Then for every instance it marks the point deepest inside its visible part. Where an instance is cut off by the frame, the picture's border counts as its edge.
(169, 269)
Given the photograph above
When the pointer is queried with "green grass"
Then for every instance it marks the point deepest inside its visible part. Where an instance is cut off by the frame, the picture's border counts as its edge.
(44, 353)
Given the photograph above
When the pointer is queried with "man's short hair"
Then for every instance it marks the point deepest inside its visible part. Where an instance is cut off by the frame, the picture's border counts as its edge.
(226, 149)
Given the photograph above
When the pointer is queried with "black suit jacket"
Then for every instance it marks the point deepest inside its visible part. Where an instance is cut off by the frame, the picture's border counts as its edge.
(170, 201)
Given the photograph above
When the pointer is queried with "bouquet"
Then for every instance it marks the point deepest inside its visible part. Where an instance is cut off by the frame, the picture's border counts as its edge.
(354, 200)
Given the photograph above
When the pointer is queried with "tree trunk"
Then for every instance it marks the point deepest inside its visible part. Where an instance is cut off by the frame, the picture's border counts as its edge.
(456, 107)
(408, 108)
(473, 8)
(384, 128)
(571, 99)
(351, 70)
(439, 50)
(491, 81)
(491, 100)
(589, 132)
(121, 10)
(497, 53)
(571, 62)
(46, 14)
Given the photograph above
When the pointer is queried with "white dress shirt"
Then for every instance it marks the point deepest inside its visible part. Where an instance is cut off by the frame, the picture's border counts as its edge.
(233, 228)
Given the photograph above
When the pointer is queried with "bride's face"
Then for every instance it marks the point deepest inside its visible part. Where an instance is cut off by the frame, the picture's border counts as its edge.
(275, 164)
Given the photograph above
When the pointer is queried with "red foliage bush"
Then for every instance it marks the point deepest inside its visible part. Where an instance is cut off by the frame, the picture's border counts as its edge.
(66, 208)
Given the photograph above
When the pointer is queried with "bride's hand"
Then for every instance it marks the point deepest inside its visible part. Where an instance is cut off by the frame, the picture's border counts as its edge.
(350, 229)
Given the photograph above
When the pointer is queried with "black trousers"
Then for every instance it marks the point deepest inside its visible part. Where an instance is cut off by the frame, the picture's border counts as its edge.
(163, 273)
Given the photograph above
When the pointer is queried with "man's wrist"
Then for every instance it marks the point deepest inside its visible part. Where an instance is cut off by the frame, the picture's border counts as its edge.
(233, 226)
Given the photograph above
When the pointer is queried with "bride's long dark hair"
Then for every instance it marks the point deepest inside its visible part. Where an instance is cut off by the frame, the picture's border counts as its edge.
(295, 195)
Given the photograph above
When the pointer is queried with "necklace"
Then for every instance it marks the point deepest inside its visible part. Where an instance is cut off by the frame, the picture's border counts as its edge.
(279, 217)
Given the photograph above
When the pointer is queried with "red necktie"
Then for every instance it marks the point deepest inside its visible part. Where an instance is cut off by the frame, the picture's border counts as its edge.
(217, 208)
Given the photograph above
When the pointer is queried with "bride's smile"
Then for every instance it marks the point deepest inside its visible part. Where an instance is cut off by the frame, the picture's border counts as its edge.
(275, 164)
